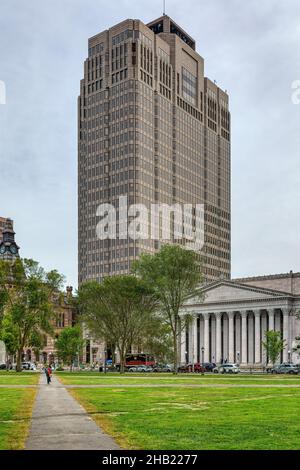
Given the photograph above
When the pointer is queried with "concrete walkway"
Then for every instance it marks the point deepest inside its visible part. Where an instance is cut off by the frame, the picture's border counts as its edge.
(59, 422)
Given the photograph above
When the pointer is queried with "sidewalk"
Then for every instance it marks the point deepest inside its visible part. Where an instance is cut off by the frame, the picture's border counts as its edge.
(59, 422)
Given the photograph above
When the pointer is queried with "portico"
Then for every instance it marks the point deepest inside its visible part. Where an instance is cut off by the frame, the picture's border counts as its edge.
(231, 322)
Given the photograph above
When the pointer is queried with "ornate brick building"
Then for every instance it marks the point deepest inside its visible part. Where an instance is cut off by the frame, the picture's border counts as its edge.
(65, 314)
(2, 224)
(64, 309)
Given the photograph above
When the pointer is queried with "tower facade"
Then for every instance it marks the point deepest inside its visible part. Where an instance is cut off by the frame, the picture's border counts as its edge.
(9, 250)
(153, 128)
(2, 225)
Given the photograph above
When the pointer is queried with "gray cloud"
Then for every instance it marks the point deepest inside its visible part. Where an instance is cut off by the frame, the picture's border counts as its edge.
(250, 48)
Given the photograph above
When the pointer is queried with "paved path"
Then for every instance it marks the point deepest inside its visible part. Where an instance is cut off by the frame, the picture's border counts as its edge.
(59, 422)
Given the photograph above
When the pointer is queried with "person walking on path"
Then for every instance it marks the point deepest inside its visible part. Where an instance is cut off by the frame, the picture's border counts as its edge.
(48, 374)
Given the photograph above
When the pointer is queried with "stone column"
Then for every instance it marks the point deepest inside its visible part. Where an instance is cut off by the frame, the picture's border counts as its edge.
(195, 336)
(231, 336)
(206, 337)
(286, 319)
(182, 358)
(191, 339)
(271, 319)
(218, 338)
(257, 352)
(264, 329)
(244, 338)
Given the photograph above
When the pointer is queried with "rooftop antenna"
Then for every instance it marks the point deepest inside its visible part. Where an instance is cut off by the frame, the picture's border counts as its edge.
(164, 12)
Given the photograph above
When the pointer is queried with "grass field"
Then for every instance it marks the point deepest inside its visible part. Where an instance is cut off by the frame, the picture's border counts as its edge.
(16, 408)
(22, 378)
(194, 418)
(84, 378)
(15, 414)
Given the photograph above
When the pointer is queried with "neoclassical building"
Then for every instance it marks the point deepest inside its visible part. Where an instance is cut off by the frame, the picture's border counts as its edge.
(231, 321)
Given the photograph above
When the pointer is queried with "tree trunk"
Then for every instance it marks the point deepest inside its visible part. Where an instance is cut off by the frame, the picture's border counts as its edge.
(122, 363)
(175, 346)
(19, 360)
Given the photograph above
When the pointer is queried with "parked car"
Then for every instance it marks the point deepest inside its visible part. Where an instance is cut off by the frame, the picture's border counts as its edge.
(188, 368)
(163, 368)
(184, 368)
(138, 369)
(28, 366)
(228, 369)
(144, 369)
(2, 366)
(209, 366)
(285, 368)
(109, 368)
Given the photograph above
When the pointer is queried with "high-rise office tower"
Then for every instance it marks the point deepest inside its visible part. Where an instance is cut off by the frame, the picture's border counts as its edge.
(152, 127)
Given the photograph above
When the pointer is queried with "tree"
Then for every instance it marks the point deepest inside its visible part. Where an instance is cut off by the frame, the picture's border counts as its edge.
(273, 345)
(156, 339)
(27, 294)
(174, 275)
(68, 344)
(116, 311)
(9, 335)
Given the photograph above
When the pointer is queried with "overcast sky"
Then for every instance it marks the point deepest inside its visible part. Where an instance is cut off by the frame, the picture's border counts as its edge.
(252, 49)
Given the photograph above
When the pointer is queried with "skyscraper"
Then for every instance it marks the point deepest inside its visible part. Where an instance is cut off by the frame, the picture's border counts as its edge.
(152, 127)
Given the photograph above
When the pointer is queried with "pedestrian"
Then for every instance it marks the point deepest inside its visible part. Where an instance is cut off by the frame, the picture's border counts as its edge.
(49, 373)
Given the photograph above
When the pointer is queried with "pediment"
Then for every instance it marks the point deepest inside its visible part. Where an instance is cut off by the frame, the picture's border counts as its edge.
(226, 291)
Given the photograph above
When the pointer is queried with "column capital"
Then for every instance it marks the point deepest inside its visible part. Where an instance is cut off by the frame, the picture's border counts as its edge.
(286, 311)
(218, 315)
(257, 312)
(206, 316)
(244, 313)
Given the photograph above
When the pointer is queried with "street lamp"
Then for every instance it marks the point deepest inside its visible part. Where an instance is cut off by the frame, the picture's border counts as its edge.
(105, 361)
(202, 351)
(289, 356)
(238, 356)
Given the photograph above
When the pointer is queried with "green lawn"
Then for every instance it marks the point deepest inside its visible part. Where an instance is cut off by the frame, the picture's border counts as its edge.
(84, 378)
(22, 378)
(195, 418)
(15, 414)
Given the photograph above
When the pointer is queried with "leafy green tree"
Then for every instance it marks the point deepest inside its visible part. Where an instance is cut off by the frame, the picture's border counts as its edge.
(27, 295)
(69, 344)
(174, 276)
(116, 311)
(273, 345)
(156, 339)
(8, 335)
